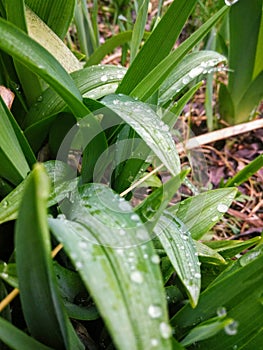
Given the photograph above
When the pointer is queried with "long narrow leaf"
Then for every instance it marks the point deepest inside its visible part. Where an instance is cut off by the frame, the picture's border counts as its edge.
(145, 87)
(45, 317)
(159, 44)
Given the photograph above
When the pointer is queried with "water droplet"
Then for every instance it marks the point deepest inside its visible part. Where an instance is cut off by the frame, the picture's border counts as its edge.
(137, 277)
(122, 232)
(154, 342)
(146, 256)
(165, 330)
(215, 218)
(40, 98)
(230, 2)
(124, 206)
(82, 245)
(104, 78)
(222, 208)
(135, 217)
(61, 217)
(142, 234)
(231, 329)
(197, 275)
(5, 204)
(154, 311)
(4, 275)
(79, 265)
(221, 311)
(185, 80)
(155, 259)
(165, 128)
(195, 72)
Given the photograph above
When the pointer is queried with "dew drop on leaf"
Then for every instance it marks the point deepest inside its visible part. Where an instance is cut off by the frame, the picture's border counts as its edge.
(231, 329)
(155, 259)
(137, 277)
(154, 311)
(165, 330)
(222, 208)
(154, 342)
(230, 2)
(104, 78)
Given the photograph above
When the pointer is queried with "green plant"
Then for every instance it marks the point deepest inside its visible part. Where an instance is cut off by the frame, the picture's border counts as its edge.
(244, 91)
(112, 261)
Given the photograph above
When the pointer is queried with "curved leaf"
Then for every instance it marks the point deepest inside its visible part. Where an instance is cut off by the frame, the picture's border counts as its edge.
(192, 67)
(148, 125)
(181, 250)
(201, 212)
(43, 311)
(112, 251)
(56, 14)
(17, 339)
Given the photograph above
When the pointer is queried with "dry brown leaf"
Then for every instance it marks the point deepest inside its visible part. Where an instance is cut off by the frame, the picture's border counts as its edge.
(7, 95)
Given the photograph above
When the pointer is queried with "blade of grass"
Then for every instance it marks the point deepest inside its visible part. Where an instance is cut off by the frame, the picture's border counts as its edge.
(158, 45)
(152, 81)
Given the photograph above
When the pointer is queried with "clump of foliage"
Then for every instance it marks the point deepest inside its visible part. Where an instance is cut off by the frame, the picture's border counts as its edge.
(113, 264)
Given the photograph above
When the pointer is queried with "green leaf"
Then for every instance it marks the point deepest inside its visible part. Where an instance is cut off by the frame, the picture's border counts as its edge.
(181, 250)
(229, 249)
(226, 105)
(56, 14)
(201, 212)
(14, 166)
(158, 45)
(192, 67)
(208, 255)
(46, 320)
(63, 182)
(243, 45)
(240, 294)
(74, 294)
(17, 44)
(112, 252)
(206, 330)
(138, 29)
(41, 33)
(244, 174)
(149, 126)
(28, 80)
(144, 88)
(258, 67)
(8, 274)
(250, 100)
(17, 339)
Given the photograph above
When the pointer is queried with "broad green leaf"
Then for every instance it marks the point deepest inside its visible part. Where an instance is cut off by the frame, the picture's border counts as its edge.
(112, 251)
(148, 125)
(18, 340)
(192, 67)
(14, 166)
(56, 14)
(201, 212)
(42, 34)
(144, 88)
(181, 250)
(158, 45)
(46, 320)
(16, 43)
(243, 45)
(258, 67)
(244, 174)
(62, 183)
(242, 300)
